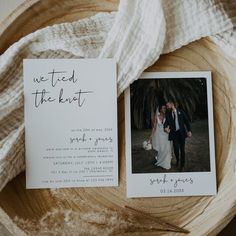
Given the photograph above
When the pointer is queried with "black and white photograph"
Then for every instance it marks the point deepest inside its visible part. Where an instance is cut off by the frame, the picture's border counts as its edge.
(169, 123)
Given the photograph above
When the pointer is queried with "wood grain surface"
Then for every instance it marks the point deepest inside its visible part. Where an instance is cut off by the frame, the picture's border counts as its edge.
(199, 215)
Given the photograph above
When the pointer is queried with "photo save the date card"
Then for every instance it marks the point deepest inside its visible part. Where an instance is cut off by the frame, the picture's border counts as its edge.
(70, 123)
(169, 135)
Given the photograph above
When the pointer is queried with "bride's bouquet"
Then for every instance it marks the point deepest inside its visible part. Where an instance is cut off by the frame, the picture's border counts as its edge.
(147, 145)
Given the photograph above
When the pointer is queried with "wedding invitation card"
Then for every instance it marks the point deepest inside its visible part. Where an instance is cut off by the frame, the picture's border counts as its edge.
(169, 135)
(70, 123)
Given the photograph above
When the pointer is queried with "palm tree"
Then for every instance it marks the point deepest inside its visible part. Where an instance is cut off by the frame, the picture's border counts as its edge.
(148, 94)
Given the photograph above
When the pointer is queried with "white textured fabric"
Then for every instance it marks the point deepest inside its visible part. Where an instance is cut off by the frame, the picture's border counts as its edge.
(135, 36)
(132, 41)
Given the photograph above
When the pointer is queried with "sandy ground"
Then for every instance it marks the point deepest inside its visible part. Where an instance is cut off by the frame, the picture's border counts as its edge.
(196, 149)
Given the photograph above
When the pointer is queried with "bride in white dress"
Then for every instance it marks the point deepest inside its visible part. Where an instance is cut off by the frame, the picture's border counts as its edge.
(160, 141)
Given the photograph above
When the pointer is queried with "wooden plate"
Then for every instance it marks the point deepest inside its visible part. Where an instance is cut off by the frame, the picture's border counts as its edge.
(199, 215)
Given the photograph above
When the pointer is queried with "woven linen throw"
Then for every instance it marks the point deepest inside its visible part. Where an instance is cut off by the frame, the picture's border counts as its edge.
(136, 35)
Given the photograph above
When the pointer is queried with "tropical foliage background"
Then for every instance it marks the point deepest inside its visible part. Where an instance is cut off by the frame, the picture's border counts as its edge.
(148, 94)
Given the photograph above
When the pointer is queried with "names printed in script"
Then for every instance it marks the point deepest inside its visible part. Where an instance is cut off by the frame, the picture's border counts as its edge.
(88, 157)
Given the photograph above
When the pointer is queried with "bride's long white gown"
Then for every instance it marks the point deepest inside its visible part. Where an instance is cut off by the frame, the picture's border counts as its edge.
(162, 145)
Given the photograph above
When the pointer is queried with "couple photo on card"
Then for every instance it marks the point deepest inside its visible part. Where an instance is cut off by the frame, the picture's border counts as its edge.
(170, 126)
(170, 135)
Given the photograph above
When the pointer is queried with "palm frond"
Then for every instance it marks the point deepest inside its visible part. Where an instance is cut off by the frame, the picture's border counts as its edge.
(148, 94)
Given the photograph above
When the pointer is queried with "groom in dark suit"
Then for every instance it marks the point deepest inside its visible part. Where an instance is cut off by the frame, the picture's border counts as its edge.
(178, 127)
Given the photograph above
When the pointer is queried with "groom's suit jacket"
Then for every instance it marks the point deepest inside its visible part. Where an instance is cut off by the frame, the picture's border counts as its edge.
(184, 124)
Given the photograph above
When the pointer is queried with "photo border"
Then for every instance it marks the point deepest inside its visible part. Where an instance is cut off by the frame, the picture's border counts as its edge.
(162, 184)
